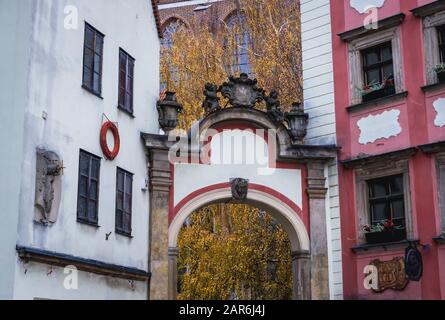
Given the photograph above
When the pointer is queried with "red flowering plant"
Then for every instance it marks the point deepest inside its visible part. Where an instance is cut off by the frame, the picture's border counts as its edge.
(375, 85)
(385, 225)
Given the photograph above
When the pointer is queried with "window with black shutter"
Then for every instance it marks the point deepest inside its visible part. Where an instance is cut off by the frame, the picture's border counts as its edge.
(124, 192)
(126, 80)
(88, 189)
(92, 60)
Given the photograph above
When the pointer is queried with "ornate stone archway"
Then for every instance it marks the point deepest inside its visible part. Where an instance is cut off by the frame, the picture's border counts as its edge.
(294, 193)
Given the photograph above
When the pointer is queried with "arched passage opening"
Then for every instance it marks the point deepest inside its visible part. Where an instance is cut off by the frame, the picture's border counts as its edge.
(258, 197)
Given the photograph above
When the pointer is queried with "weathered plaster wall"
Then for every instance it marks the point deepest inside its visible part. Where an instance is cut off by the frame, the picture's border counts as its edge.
(15, 29)
(318, 88)
(73, 121)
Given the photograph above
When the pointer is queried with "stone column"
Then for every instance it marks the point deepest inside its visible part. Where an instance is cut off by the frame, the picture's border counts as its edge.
(160, 183)
(318, 230)
(173, 273)
(301, 275)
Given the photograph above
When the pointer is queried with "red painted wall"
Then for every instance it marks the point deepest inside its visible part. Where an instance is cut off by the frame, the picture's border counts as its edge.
(417, 122)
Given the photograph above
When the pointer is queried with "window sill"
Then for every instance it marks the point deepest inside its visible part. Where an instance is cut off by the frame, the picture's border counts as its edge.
(440, 240)
(88, 223)
(388, 246)
(434, 86)
(378, 102)
(130, 114)
(92, 92)
(124, 234)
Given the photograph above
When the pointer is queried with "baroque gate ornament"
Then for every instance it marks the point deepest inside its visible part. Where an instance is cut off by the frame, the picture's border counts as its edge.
(242, 91)
(239, 188)
(391, 274)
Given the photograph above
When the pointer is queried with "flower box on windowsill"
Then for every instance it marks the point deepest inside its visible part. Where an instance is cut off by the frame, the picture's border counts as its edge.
(380, 93)
(385, 236)
(441, 76)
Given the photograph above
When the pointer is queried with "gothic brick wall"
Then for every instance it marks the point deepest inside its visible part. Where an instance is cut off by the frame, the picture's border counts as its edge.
(217, 11)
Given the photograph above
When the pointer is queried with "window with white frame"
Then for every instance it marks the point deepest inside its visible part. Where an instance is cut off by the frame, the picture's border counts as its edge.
(383, 194)
(434, 38)
(375, 66)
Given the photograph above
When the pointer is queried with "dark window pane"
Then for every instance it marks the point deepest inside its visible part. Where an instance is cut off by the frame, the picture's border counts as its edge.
(386, 54)
(95, 164)
(128, 183)
(87, 76)
(379, 212)
(96, 82)
(99, 44)
(131, 67)
(398, 210)
(127, 223)
(84, 164)
(89, 38)
(82, 207)
(371, 58)
(388, 72)
(127, 203)
(88, 60)
(119, 217)
(120, 201)
(378, 189)
(97, 63)
(83, 186)
(93, 190)
(92, 210)
(120, 181)
(373, 76)
(396, 185)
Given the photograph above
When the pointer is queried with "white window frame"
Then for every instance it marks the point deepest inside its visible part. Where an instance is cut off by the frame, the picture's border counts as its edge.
(431, 39)
(377, 170)
(356, 46)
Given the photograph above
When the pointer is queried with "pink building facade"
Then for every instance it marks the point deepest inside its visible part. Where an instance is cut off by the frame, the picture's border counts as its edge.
(390, 121)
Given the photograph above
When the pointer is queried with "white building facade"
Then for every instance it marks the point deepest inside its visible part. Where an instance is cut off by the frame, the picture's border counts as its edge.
(68, 68)
(318, 86)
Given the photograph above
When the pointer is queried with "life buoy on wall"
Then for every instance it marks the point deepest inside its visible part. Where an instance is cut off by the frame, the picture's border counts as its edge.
(109, 154)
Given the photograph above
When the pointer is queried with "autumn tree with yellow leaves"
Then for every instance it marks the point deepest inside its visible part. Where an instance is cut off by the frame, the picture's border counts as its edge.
(234, 251)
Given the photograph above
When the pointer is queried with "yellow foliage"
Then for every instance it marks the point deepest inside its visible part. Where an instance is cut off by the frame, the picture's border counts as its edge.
(234, 261)
(225, 251)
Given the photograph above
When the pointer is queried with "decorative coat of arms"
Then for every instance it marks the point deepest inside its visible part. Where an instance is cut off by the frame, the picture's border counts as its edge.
(240, 188)
(391, 274)
(413, 263)
(242, 91)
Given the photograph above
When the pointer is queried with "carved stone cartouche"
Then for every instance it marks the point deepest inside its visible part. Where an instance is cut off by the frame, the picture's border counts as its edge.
(242, 91)
(239, 188)
(48, 169)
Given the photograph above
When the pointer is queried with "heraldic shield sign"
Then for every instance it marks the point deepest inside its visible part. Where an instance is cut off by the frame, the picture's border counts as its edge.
(413, 263)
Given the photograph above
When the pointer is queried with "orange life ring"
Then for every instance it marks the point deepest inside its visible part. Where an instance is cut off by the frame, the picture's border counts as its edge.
(109, 154)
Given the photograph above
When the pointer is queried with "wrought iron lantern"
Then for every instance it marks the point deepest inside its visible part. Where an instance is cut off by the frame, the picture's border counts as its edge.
(169, 110)
(297, 121)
